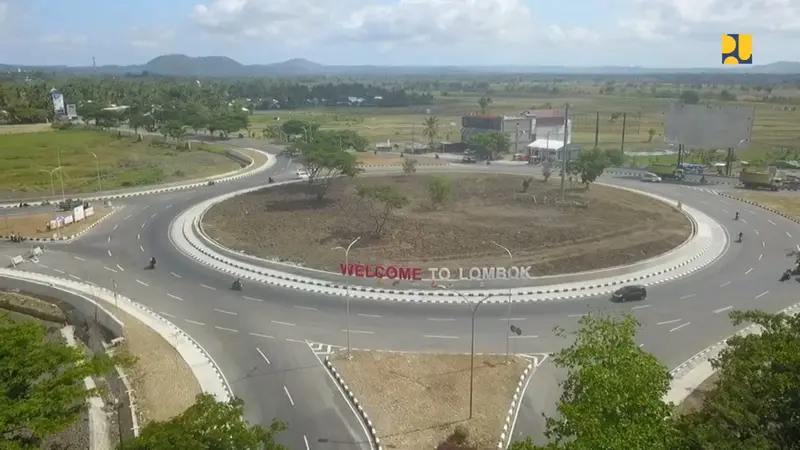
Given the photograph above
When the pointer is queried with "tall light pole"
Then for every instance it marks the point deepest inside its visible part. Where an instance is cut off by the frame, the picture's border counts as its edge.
(347, 286)
(474, 307)
(508, 327)
(61, 175)
(52, 185)
(97, 167)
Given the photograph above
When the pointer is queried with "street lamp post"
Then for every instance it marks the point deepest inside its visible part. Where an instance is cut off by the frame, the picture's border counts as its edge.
(52, 185)
(508, 327)
(347, 287)
(61, 176)
(97, 167)
(474, 307)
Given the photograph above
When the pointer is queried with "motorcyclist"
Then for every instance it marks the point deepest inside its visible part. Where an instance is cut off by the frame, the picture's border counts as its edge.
(152, 262)
(237, 285)
(736, 216)
(786, 274)
(740, 236)
(271, 180)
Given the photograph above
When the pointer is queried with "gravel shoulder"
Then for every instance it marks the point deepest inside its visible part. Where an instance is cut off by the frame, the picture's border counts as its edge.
(417, 400)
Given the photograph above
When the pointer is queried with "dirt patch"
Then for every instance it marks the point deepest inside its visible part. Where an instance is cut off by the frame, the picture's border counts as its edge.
(785, 202)
(35, 225)
(695, 400)
(416, 401)
(31, 306)
(371, 159)
(30, 128)
(613, 226)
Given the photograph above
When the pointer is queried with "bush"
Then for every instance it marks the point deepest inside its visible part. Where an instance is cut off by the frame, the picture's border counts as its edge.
(409, 166)
(439, 188)
(460, 435)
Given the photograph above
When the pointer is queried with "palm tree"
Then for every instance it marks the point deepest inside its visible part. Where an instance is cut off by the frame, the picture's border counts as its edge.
(431, 130)
(484, 103)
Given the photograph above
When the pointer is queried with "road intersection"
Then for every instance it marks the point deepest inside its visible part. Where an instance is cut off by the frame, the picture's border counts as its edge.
(260, 336)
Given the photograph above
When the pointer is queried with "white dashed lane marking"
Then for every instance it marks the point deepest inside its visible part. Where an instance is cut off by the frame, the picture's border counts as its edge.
(725, 284)
(717, 311)
(669, 321)
(226, 329)
(761, 295)
(209, 287)
(195, 322)
(679, 327)
(433, 336)
(142, 282)
(79, 258)
(222, 311)
(278, 322)
(375, 316)
(174, 296)
(263, 355)
(771, 222)
(174, 274)
(359, 332)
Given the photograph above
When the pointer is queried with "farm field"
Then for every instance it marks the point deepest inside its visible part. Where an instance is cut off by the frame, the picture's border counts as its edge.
(123, 163)
(774, 126)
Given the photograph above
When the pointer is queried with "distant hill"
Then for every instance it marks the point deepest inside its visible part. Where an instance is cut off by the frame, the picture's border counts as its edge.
(224, 67)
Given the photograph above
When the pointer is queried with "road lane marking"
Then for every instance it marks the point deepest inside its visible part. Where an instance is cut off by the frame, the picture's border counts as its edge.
(787, 233)
(763, 244)
(771, 222)
(120, 268)
(138, 236)
(109, 252)
(751, 212)
(79, 258)
(760, 256)
(263, 355)
(513, 319)
(262, 335)
(724, 202)
(798, 247)
(127, 217)
(174, 296)
(687, 296)
(679, 327)
(757, 233)
(145, 207)
(305, 440)
(726, 211)
(576, 315)
(73, 276)
(374, 316)
(433, 336)
(109, 239)
(288, 395)
(175, 275)
(744, 221)
(167, 314)
(278, 322)
(669, 321)
(717, 311)
(529, 336)
(141, 248)
(761, 295)
(195, 322)
(153, 215)
(725, 284)
(168, 206)
(226, 312)
(141, 282)
(109, 269)
(209, 287)
(115, 227)
(442, 319)
(296, 340)
(144, 225)
(226, 329)
(748, 271)
(359, 332)
(252, 298)
(59, 271)
(307, 308)
(641, 306)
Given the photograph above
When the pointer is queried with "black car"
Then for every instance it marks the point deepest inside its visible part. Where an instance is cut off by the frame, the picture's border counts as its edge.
(629, 293)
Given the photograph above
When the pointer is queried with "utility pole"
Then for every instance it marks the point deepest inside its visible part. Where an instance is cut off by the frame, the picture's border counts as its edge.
(516, 140)
(564, 158)
(413, 138)
(624, 123)
(61, 174)
(596, 128)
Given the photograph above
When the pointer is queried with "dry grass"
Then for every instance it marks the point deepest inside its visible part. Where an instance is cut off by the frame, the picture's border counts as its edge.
(379, 160)
(416, 400)
(30, 128)
(786, 202)
(35, 225)
(20, 302)
(695, 400)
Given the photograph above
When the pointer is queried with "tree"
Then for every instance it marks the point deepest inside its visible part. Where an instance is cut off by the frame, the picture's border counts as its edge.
(196, 116)
(690, 97)
(755, 402)
(431, 130)
(300, 127)
(382, 203)
(344, 139)
(489, 145)
(208, 424)
(614, 157)
(590, 165)
(613, 391)
(650, 134)
(484, 103)
(324, 161)
(272, 132)
(41, 383)
(409, 166)
(439, 189)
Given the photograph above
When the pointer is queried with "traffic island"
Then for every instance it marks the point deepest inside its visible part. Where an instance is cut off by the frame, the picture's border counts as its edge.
(421, 400)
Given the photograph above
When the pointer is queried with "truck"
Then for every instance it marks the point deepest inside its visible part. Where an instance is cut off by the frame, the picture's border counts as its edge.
(760, 180)
(69, 204)
(666, 171)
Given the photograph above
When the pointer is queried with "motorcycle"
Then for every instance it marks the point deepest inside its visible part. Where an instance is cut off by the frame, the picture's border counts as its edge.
(271, 180)
(152, 264)
(786, 275)
(736, 216)
(740, 238)
(237, 285)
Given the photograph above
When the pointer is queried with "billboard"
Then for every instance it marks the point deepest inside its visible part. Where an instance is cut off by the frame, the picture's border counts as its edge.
(482, 122)
(72, 111)
(58, 102)
(709, 126)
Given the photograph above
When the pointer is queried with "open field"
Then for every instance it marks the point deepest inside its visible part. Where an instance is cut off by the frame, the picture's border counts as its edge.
(416, 401)
(774, 126)
(787, 202)
(607, 227)
(35, 225)
(122, 162)
(31, 128)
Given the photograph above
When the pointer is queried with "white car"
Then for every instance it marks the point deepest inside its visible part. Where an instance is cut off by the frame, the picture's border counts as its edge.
(302, 174)
(651, 177)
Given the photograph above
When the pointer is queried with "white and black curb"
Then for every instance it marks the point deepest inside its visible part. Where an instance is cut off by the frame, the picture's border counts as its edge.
(516, 399)
(205, 369)
(384, 166)
(351, 397)
(642, 172)
(70, 237)
(224, 179)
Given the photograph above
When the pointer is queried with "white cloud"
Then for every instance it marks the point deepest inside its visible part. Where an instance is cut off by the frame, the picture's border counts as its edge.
(443, 22)
(661, 19)
(3, 11)
(572, 35)
(150, 37)
(66, 40)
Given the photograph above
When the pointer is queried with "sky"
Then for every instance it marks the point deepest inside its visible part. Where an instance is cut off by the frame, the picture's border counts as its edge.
(648, 33)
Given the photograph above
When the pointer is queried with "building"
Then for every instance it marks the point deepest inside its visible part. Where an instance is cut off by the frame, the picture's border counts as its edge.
(518, 128)
(549, 133)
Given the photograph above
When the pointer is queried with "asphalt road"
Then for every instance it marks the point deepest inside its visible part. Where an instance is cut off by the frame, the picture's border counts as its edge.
(259, 338)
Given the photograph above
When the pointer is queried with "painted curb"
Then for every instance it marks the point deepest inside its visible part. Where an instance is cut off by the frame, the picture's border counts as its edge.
(68, 238)
(212, 382)
(516, 399)
(643, 171)
(354, 401)
(380, 166)
(270, 162)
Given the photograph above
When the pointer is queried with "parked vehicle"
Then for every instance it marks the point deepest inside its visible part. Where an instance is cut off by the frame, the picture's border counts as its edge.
(629, 293)
(302, 174)
(666, 171)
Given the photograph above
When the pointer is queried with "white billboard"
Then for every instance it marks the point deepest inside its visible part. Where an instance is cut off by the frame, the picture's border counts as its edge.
(72, 111)
(58, 102)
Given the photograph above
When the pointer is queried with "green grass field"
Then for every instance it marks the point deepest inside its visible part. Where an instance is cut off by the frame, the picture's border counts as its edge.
(774, 126)
(26, 158)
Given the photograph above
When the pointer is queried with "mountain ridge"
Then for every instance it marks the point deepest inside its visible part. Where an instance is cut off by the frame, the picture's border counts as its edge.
(181, 65)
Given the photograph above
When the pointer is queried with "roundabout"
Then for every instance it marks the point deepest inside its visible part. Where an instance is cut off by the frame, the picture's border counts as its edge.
(260, 337)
